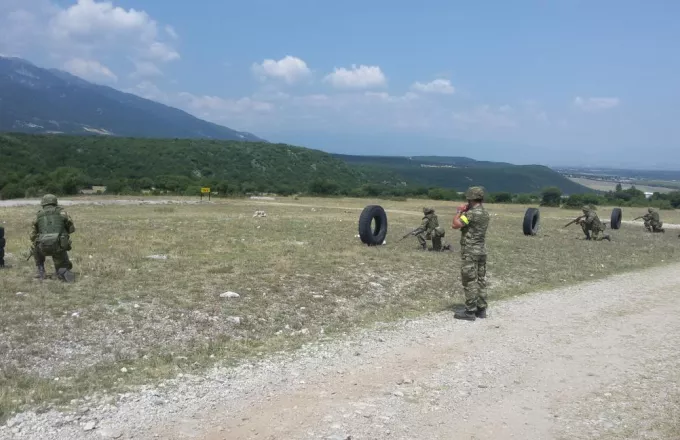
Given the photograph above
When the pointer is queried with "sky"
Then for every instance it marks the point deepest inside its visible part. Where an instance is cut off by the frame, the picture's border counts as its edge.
(561, 82)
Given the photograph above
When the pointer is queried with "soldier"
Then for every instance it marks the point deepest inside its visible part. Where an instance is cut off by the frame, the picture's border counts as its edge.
(592, 226)
(2, 247)
(429, 229)
(652, 221)
(473, 220)
(50, 238)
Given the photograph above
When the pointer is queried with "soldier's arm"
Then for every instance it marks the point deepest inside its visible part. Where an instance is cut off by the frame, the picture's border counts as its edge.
(34, 231)
(461, 219)
(68, 223)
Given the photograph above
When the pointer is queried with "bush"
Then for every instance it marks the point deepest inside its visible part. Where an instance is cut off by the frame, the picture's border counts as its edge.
(551, 197)
(12, 191)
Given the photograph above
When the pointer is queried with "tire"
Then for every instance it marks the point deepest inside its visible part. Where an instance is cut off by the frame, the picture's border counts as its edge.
(373, 236)
(615, 222)
(532, 218)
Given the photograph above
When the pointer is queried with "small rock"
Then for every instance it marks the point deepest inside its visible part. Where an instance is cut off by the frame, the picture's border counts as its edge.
(229, 295)
(234, 319)
(318, 296)
(482, 386)
(123, 370)
(89, 426)
(20, 293)
(110, 433)
(398, 394)
(157, 257)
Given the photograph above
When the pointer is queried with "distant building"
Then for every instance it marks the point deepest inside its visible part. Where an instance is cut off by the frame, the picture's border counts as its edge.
(648, 194)
(94, 190)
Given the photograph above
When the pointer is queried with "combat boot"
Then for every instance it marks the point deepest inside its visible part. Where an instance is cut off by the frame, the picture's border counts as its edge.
(66, 275)
(481, 313)
(41, 272)
(465, 315)
(423, 246)
(607, 237)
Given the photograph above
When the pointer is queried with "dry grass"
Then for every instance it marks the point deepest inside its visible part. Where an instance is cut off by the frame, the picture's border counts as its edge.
(301, 273)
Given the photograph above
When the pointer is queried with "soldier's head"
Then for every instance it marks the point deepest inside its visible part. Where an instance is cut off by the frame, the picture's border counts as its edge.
(49, 199)
(585, 209)
(475, 194)
(428, 210)
(650, 210)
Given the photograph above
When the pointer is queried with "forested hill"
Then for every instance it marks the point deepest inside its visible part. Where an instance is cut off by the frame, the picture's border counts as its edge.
(31, 164)
(460, 172)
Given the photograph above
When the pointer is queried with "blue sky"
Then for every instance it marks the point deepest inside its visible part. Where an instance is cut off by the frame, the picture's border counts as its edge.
(553, 82)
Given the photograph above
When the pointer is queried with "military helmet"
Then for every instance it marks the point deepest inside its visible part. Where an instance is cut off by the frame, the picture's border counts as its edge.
(650, 210)
(427, 210)
(585, 208)
(49, 199)
(474, 193)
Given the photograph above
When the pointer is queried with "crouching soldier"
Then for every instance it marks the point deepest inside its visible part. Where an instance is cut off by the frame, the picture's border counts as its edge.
(50, 238)
(429, 229)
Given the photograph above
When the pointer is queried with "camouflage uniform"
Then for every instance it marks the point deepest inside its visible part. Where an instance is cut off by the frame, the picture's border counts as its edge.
(473, 255)
(652, 221)
(2, 247)
(50, 238)
(592, 226)
(429, 229)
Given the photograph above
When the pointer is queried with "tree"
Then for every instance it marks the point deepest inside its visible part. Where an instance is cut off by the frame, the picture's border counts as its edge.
(551, 196)
(501, 197)
(619, 188)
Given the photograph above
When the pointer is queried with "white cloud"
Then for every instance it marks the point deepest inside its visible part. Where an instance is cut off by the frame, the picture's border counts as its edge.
(210, 104)
(289, 69)
(146, 69)
(596, 104)
(171, 31)
(486, 116)
(386, 97)
(442, 86)
(86, 29)
(362, 77)
(90, 70)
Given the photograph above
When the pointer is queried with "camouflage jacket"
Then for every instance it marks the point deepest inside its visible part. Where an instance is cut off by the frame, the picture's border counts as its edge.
(429, 223)
(473, 234)
(651, 216)
(66, 225)
(592, 222)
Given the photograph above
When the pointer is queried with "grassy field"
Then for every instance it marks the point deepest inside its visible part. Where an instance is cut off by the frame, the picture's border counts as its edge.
(611, 186)
(301, 273)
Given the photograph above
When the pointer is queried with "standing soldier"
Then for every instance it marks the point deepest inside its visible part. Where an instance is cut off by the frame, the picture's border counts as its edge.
(652, 221)
(473, 220)
(591, 225)
(50, 238)
(429, 229)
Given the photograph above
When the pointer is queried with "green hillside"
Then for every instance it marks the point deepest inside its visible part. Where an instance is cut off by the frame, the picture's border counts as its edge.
(63, 164)
(461, 172)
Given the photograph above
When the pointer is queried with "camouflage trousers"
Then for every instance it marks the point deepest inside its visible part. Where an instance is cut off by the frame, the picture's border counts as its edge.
(473, 275)
(436, 240)
(653, 226)
(60, 260)
(594, 233)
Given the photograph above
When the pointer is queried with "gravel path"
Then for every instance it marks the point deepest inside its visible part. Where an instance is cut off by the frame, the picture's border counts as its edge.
(597, 360)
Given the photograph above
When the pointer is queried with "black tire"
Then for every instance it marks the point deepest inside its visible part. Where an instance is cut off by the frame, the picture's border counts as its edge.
(373, 236)
(615, 222)
(532, 219)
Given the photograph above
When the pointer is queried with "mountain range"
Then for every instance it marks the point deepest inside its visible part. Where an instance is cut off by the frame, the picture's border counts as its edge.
(38, 100)
(129, 137)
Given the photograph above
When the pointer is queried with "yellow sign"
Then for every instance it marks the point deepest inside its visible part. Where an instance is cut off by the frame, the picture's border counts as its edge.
(205, 190)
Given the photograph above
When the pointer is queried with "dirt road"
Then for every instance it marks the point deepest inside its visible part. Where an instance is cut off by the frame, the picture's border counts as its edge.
(598, 360)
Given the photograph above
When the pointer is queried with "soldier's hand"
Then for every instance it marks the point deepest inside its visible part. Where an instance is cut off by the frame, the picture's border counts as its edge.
(462, 208)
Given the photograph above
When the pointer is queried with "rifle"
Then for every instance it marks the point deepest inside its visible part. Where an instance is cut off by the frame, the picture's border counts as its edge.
(30, 253)
(410, 233)
(638, 218)
(575, 220)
